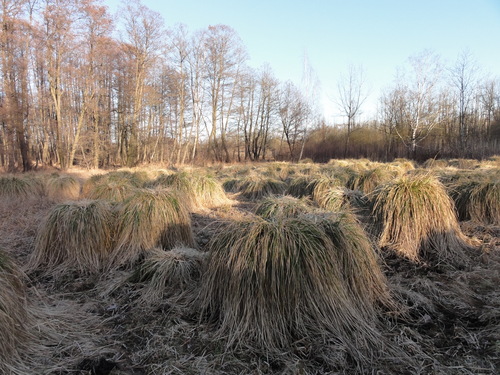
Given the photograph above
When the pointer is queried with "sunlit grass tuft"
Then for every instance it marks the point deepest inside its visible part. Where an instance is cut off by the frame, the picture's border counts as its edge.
(282, 207)
(62, 188)
(74, 236)
(148, 219)
(272, 282)
(416, 218)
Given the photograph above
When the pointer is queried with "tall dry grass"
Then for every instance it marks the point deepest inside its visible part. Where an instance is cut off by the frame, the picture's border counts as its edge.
(199, 191)
(62, 188)
(151, 218)
(174, 273)
(14, 315)
(13, 187)
(74, 236)
(478, 199)
(415, 217)
(283, 207)
(274, 284)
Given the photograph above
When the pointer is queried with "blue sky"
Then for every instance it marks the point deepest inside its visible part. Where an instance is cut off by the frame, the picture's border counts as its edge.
(379, 35)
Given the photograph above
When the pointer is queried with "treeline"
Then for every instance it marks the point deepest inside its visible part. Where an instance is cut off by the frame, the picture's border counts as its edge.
(74, 91)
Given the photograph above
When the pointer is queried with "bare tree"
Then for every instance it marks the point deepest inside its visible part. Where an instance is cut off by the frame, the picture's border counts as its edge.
(143, 43)
(294, 112)
(352, 94)
(463, 77)
(420, 99)
(225, 55)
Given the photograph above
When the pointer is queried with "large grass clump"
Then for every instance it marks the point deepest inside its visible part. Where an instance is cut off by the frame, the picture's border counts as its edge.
(12, 187)
(74, 236)
(478, 200)
(283, 207)
(114, 186)
(151, 218)
(256, 187)
(358, 257)
(415, 217)
(199, 191)
(112, 191)
(368, 180)
(170, 274)
(274, 284)
(341, 198)
(14, 315)
(62, 188)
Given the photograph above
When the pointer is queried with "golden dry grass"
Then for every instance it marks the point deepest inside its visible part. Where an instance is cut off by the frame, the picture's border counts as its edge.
(270, 283)
(148, 219)
(199, 191)
(283, 207)
(74, 236)
(62, 188)
(416, 218)
(478, 199)
(256, 187)
(13, 187)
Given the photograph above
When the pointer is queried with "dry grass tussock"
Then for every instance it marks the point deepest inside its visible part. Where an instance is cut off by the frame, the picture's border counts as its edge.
(13, 187)
(283, 207)
(199, 191)
(169, 274)
(273, 285)
(341, 198)
(74, 236)
(415, 217)
(148, 219)
(478, 199)
(256, 187)
(359, 259)
(14, 315)
(367, 181)
(62, 188)
(107, 185)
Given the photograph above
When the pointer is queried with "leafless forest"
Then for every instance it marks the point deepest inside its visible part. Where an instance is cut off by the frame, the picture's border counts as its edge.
(82, 87)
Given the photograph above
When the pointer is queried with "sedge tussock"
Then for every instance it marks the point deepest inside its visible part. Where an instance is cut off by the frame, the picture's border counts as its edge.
(12, 187)
(74, 236)
(301, 186)
(200, 191)
(283, 207)
(256, 187)
(209, 192)
(271, 282)
(111, 191)
(114, 179)
(478, 200)
(416, 218)
(14, 316)
(368, 180)
(435, 164)
(360, 262)
(62, 188)
(148, 219)
(168, 274)
(339, 198)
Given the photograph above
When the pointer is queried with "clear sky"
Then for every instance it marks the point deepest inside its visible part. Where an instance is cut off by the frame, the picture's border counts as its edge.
(379, 35)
